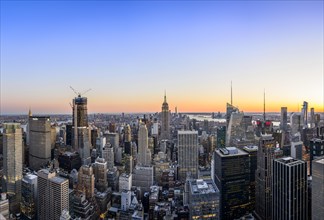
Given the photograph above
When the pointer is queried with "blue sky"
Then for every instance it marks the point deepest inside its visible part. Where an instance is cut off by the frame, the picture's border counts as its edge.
(130, 52)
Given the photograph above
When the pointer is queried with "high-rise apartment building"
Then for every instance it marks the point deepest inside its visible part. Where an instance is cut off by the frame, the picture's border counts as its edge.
(232, 178)
(39, 141)
(283, 119)
(144, 154)
(289, 189)
(53, 195)
(12, 164)
(165, 120)
(188, 154)
(318, 189)
(29, 196)
(267, 152)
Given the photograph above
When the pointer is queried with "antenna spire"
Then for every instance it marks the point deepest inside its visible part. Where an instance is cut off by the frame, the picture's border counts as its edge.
(164, 95)
(231, 94)
(264, 116)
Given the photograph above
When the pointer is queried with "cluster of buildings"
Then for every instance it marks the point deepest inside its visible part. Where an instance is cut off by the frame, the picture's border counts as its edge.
(163, 166)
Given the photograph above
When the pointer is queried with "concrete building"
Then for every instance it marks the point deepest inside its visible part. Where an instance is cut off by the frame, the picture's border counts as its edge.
(108, 155)
(267, 152)
(165, 120)
(144, 154)
(100, 173)
(232, 178)
(289, 189)
(53, 195)
(82, 208)
(4, 206)
(12, 164)
(143, 178)
(188, 154)
(125, 182)
(318, 189)
(86, 181)
(40, 141)
(125, 200)
(203, 199)
(29, 196)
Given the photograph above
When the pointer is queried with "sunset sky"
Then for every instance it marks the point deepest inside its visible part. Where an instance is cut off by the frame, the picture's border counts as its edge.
(129, 53)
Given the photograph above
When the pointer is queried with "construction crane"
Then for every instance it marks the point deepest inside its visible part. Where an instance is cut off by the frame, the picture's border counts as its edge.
(79, 94)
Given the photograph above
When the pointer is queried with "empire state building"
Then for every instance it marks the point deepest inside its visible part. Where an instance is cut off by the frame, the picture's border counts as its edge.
(165, 120)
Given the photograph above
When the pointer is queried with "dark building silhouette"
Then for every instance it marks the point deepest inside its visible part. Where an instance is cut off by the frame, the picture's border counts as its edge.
(232, 178)
(267, 152)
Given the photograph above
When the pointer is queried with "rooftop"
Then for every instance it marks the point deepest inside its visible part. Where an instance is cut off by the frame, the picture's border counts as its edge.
(230, 152)
(321, 160)
(251, 148)
(290, 161)
(201, 186)
(58, 180)
(187, 132)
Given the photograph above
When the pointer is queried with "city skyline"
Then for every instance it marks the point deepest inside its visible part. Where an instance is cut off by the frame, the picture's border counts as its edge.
(130, 52)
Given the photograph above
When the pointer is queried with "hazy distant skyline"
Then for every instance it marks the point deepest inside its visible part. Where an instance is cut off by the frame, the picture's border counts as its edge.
(129, 53)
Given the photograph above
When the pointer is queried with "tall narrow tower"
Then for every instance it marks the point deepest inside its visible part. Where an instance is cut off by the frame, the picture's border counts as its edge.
(40, 141)
(165, 118)
(12, 164)
(267, 152)
(144, 154)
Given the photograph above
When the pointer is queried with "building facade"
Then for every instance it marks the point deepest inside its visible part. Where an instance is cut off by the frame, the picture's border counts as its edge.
(267, 152)
(188, 154)
(289, 189)
(12, 164)
(318, 189)
(39, 141)
(203, 199)
(53, 195)
(232, 178)
(144, 153)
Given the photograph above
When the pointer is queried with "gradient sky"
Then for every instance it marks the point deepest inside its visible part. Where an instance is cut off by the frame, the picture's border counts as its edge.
(130, 52)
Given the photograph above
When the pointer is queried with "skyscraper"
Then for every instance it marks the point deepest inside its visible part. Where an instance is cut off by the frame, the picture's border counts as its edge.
(165, 119)
(84, 144)
(86, 181)
(29, 196)
(144, 154)
(53, 195)
(12, 164)
(100, 172)
(40, 141)
(203, 199)
(318, 189)
(289, 189)
(283, 119)
(232, 178)
(188, 154)
(253, 155)
(80, 111)
(267, 152)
